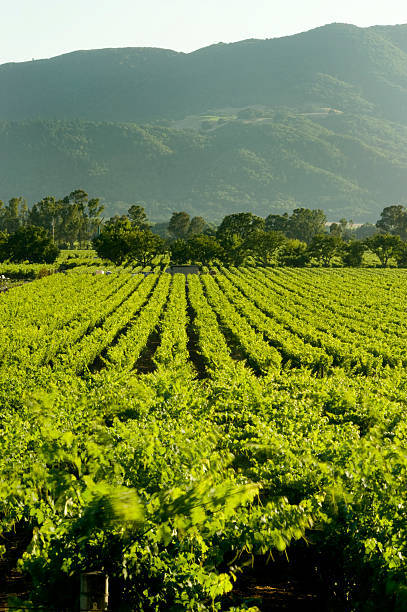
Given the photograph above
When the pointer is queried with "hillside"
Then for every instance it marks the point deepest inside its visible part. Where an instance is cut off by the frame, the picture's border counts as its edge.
(346, 164)
(396, 34)
(339, 65)
(325, 125)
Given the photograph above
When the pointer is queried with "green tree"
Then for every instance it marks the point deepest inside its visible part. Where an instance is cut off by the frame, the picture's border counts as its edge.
(341, 229)
(234, 250)
(324, 247)
(3, 246)
(179, 251)
(293, 253)
(400, 254)
(120, 242)
(335, 229)
(138, 217)
(233, 232)
(143, 246)
(384, 246)
(13, 210)
(264, 245)
(24, 212)
(33, 244)
(365, 231)
(94, 221)
(204, 249)
(179, 224)
(240, 224)
(393, 220)
(74, 224)
(197, 226)
(116, 219)
(13, 215)
(112, 242)
(75, 217)
(78, 197)
(162, 230)
(277, 223)
(305, 223)
(352, 253)
(47, 214)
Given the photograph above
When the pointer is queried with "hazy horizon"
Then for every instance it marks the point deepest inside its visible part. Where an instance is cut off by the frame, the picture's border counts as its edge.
(47, 30)
(192, 50)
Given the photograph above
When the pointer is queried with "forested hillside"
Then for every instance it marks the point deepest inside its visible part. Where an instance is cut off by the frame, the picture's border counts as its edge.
(339, 65)
(345, 164)
(318, 119)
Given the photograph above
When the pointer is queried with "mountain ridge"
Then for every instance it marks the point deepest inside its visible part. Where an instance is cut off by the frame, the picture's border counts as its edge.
(144, 84)
(316, 119)
(392, 32)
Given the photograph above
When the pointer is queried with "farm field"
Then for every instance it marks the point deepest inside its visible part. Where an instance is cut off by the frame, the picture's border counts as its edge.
(232, 441)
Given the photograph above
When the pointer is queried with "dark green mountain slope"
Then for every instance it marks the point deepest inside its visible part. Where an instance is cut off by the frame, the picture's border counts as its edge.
(396, 34)
(341, 66)
(346, 164)
(326, 125)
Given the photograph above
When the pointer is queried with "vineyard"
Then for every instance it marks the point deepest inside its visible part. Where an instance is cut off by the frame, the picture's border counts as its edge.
(195, 438)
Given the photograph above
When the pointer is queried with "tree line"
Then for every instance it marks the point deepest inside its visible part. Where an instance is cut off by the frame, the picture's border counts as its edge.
(72, 219)
(294, 239)
(36, 234)
(287, 240)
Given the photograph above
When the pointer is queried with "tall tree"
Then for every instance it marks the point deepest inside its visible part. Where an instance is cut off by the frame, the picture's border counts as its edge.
(196, 226)
(277, 223)
(94, 221)
(138, 217)
(13, 215)
(400, 255)
(75, 217)
(179, 251)
(384, 246)
(393, 220)
(204, 249)
(179, 224)
(293, 253)
(144, 246)
(239, 224)
(324, 247)
(78, 197)
(365, 231)
(234, 249)
(120, 242)
(3, 246)
(305, 223)
(352, 253)
(112, 242)
(342, 229)
(33, 244)
(264, 245)
(47, 214)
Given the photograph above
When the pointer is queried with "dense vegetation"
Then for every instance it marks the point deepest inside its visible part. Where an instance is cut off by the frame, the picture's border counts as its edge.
(348, 165)
(338, 66)
(299, 239)
(316, 120)
(170, 433)
(28, 244)
(192, 436)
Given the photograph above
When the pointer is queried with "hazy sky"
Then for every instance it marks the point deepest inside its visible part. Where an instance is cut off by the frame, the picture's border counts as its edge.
(44, 28)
